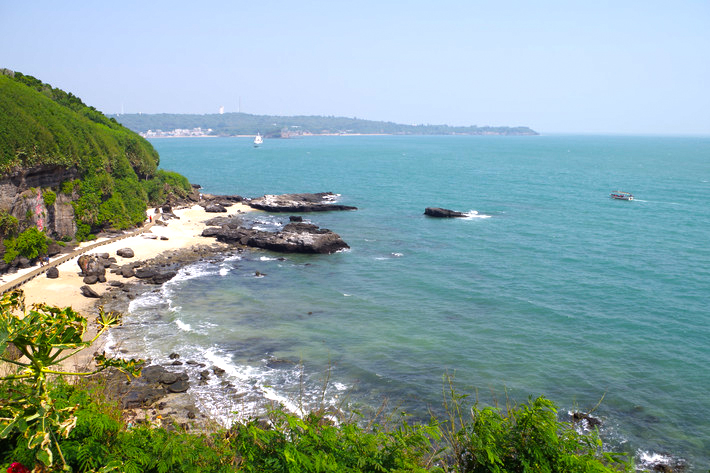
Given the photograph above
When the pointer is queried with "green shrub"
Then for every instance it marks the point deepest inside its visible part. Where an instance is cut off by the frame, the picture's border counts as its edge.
(8, 224)
(49, 197)
(520, 439)
(164, 185)
(31, 243)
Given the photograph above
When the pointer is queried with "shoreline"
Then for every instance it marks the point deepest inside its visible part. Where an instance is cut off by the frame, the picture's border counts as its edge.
(179, 242)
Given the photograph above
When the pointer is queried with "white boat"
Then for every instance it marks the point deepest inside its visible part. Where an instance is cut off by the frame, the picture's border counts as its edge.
(619, 195)
(258, 139)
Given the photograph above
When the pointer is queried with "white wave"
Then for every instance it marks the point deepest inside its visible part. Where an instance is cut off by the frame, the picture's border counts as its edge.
(397, 255)
(267, 258)
(471, 214)
(381, 258)
(147, 301)
(183, 326)
(223, 271)
(651, 459)
(343, 250)
(340, 386)
(347, 295)
(331, 198)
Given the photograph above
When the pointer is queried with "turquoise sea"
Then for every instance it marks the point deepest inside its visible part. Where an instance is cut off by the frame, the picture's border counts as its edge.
(551, 288)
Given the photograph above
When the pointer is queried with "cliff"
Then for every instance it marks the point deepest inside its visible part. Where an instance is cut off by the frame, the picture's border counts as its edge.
(67, 169)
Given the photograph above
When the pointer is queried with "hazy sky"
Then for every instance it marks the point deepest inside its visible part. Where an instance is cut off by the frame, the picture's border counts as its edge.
(556, 66)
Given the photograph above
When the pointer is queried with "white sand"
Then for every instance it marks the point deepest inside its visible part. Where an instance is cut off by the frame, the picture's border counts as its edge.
(64, 291)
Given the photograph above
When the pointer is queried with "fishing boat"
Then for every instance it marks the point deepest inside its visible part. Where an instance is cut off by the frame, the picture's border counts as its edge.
(621, 195)
(258, 140)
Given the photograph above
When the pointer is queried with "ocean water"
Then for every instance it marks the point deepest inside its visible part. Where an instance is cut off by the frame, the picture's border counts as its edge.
(548, 287)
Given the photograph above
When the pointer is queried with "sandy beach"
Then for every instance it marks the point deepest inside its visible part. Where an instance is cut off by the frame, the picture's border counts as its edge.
(181, 233)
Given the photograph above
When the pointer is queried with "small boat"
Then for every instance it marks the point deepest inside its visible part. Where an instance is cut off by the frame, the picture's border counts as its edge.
(258, 140)
(621, 195)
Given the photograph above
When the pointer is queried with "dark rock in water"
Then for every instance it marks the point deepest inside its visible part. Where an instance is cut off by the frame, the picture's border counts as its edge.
(163, 237)
(93, 279)
(215, 208)
(295, 218)
(88, 292)
(174, 356)
(125, 253)
(217, 371)
(442, 213)
(583, 417)
(53, 273)
(298, 203)
(179, 386)
(168, 378)
(293, 238)
(176, 363)
(299, 238)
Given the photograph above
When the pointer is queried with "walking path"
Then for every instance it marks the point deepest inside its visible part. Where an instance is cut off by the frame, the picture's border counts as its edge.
(19, 281)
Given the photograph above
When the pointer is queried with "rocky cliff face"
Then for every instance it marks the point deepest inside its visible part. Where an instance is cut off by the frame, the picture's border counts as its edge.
(21, 195)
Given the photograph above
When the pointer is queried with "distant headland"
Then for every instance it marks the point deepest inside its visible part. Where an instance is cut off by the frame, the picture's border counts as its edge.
(274, 126)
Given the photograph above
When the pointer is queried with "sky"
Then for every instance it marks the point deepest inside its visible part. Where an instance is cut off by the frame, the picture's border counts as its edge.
(557, 66)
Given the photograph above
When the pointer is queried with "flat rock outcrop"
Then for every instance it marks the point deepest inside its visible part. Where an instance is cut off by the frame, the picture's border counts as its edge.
(320, 202)
(293, 238)
(442, 213)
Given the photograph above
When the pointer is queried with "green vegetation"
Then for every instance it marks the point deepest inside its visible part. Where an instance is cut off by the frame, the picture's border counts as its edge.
(49, 197)
(31, 244)
(49, 424)
(41, 125)
(230, 124)
(8, 224)
(44, 336)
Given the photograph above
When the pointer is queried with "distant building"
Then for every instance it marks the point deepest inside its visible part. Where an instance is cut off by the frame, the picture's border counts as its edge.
(221, 110)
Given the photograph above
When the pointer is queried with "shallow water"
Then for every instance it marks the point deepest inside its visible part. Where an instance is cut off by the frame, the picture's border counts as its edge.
(551, 288)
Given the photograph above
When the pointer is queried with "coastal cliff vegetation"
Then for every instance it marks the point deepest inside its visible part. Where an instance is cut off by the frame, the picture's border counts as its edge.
(67, 169)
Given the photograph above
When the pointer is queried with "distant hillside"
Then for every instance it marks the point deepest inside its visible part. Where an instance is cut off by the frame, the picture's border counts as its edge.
(65, 168)
(231, 124)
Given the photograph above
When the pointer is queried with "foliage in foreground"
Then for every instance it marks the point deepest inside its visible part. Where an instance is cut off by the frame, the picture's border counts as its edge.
(42, 420)
(41, 339)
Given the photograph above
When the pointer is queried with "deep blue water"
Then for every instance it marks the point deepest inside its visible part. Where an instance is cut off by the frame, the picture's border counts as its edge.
(553, 288)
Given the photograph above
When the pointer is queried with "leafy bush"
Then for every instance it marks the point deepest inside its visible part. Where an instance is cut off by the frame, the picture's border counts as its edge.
(31, 243)
(522, 438)
(49, 197)
(8, 224)
(165, 185)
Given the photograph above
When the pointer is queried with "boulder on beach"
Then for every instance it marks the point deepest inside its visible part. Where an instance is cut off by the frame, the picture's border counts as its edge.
(53, 273)
(125, 253)
(92, 265)
(215, 208)
(438, 212)
(86, 291)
